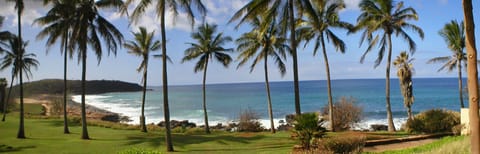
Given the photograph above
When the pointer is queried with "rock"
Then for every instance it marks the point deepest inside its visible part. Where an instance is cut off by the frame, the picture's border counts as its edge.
(290, 118)
(379, 127)
(175, 123)
(284, 127)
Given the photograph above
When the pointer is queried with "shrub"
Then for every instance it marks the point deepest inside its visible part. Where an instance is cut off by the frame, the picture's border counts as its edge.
(433, 121)
(249, 121)
(307, 127)
(457, 129)
(345, 112)
(344, 144)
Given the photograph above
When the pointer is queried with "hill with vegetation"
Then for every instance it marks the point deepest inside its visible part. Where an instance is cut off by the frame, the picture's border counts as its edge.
(55, 86)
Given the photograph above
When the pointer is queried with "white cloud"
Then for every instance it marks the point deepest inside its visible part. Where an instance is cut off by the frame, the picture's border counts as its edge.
(32, 11)
(352, 5)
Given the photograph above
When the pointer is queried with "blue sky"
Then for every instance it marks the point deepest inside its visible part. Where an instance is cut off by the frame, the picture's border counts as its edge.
(434, 14)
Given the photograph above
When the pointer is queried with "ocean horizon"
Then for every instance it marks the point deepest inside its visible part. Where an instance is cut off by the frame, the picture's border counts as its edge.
(225, 101)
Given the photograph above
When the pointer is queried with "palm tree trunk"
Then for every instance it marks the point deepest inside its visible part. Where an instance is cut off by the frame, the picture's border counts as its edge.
(293, 45)
(8, 99)
(329, 88)
(409, 112)
(269, 99)
(391, 127)
(166, 110)
(207, 128)
(460, 84)
(84, 75)
(65, 119)
(21, 129)
(472, 75)
(142, 117)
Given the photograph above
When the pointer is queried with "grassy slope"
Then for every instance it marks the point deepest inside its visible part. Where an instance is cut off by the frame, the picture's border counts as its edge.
(446, 145)
(45, 136)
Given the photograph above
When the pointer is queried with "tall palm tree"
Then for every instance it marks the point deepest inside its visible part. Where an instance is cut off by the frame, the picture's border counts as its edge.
(287, 12)
(259, 46)
(88, 27)
(20, 62)
(379, 20)
(208, 47)
(58, 26)
(472, 74)
(319, 26)
(142, 45)
(3, 34)
(454, 35)
(404, 72)
(161, 7)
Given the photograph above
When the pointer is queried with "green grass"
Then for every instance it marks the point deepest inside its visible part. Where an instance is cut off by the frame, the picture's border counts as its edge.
(449, 144)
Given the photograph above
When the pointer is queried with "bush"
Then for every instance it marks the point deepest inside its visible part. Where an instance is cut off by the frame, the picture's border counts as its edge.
(307, 127)
(344, 144)
(249, 121)
(433, 121)
(345, 112)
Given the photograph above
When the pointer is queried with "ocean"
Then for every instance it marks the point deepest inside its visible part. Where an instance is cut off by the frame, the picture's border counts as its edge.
(226, 101)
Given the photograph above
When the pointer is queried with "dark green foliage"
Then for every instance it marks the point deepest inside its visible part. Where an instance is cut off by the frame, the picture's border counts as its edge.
(307, 128)
(433, 121)
(249, 121)
(344, 144)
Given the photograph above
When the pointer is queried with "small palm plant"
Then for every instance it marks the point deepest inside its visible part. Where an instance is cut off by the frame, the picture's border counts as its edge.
(142, 46)
(405, 72)
(209, 47)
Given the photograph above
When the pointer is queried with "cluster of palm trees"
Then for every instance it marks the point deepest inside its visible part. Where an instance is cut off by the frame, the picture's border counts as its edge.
(278, 27)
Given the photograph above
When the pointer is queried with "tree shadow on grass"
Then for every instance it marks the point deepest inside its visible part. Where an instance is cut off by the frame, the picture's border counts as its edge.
(7, 148)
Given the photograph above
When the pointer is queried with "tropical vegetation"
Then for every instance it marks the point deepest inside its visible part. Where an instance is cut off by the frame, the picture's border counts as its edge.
(405, 71)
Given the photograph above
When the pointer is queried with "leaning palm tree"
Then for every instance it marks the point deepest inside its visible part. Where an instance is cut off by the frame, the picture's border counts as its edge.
(454, 35)
(287, 12)
(161, 7)
(57, 24)
(208, 47)
(404, 72)
(379, 20)
(319, 27)
(88, 27)
(142, 46)
(20, 62)
(259, 46)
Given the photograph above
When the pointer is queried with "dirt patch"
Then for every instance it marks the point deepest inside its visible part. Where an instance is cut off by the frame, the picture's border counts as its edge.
(398, 146)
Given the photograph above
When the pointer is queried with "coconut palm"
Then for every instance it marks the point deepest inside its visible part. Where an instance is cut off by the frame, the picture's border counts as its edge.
(161, 7)
(142, 45)
(258, 46)
(88, 27)
(472, 75)
(57, 24)
(454, 35)
(379, 20)
(208, 47)
(405, 72)
(287, 12)
(20, 62)
(3, 86)
(319, 27)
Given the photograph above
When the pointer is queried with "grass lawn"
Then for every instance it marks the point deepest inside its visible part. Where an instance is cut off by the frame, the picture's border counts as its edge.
(446, 145)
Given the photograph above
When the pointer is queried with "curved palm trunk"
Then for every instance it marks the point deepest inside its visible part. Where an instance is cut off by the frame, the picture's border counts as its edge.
(65, 119)
(293, 45)
(472, 76)
(329, 88)
(207, 128)
(21, 129)
(166, 110)
(267, 87)
(391, 127)
(7, 99)
(84, 75)
(460, 83)
(142, 117)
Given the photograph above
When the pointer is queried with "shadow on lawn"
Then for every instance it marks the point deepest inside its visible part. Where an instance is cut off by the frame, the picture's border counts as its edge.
(6, 148)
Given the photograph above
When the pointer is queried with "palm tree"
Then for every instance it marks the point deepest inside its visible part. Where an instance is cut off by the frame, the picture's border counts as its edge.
(404, 72)
(142, 45)
(20, 62)
(208, 47)
(161, 7)
(319, 26)
(3, 85)
(259, 46)
(472, 75)
(379, 20)
(58, 26)
(88, 27)
(454, 35)
(288, 12)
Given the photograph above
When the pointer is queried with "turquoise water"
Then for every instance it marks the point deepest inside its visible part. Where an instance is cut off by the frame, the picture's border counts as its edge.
(226, 101)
